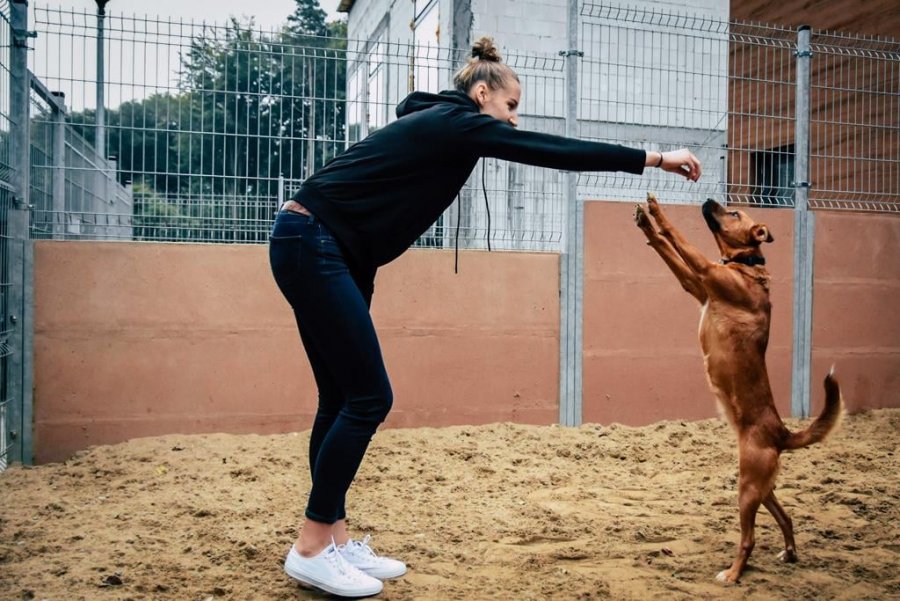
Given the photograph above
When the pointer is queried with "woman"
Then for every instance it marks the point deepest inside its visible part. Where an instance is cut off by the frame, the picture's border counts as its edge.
(359, 212)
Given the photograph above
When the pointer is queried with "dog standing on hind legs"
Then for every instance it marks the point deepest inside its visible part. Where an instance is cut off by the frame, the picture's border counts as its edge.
(734, 334)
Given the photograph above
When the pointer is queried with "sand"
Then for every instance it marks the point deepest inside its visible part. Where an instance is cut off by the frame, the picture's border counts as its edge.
(489, 512)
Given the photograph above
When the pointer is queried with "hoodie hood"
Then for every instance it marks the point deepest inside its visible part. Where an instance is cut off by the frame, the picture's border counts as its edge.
(419, 101)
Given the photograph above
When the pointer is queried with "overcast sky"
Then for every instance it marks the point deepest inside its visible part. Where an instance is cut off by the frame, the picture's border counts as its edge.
(134, 70)
(268, 13)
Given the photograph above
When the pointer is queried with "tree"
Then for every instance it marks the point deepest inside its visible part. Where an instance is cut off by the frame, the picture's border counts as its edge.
(249, 107)
(308, 18)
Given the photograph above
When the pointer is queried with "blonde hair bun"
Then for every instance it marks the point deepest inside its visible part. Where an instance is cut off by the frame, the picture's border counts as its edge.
(484, 64)
(485, 50)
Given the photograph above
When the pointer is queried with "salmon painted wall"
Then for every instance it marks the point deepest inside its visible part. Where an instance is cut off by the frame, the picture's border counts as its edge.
(856, 321)
(137, 339)
(145, 339)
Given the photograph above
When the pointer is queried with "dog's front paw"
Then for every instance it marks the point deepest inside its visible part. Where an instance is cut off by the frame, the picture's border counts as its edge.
(640, 217)
(652, 204)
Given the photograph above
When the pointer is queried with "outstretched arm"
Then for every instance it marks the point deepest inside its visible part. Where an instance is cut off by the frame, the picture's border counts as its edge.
(490, 137)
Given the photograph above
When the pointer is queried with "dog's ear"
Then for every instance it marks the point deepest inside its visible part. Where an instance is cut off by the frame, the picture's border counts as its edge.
(762, 234)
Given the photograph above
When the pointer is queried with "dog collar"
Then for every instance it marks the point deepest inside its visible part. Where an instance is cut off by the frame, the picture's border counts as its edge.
(750, 260)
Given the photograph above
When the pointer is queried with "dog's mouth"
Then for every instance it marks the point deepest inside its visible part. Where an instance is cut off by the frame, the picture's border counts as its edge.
(711, 210)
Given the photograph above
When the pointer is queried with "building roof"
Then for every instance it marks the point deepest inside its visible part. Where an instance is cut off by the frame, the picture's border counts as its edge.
(345, 6)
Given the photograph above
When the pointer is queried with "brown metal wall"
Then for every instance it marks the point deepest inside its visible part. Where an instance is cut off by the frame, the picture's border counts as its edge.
(873, 17)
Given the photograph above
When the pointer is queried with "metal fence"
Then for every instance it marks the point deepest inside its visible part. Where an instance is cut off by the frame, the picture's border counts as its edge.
(15, 246)
(855, 123)
(196, 131)
(6, 201)
(211, 126)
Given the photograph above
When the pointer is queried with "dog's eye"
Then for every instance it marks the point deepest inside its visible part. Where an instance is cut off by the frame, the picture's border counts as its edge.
(734, 214)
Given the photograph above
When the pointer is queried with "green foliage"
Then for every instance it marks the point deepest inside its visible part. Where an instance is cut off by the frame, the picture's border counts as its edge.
(249, 107)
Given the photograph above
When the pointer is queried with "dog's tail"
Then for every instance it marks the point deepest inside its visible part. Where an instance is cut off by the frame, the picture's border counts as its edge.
(827, 421)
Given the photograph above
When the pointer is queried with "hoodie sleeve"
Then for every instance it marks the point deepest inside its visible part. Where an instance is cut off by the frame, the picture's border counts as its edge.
(490, 137)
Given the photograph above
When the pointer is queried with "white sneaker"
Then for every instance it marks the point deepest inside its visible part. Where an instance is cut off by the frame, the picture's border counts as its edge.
(330, 572)
(361, 556)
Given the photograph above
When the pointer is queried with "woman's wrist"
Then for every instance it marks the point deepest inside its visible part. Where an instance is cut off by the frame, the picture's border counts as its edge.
(654, 159)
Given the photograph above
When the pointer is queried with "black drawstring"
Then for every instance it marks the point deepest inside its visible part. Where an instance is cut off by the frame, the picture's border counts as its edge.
(486, 205)
(456, 254)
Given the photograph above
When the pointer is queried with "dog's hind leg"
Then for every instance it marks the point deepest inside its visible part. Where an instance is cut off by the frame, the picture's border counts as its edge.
(789, 555)
(758, 467)
(749, 500)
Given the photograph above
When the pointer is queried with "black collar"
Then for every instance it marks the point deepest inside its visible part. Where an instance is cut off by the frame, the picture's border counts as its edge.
(749, 260)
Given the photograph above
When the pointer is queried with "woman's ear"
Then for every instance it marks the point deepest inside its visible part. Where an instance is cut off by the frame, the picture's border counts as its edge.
(762, 234)
(479, 93)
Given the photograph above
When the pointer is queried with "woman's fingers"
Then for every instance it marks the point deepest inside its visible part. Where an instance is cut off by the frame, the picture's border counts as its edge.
(685, 164)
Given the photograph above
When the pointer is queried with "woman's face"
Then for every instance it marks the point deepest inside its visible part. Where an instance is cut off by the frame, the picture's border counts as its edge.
(502, 103)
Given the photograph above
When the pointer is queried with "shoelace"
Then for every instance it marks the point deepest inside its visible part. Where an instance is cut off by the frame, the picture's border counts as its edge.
(340, 564)
(362, 547)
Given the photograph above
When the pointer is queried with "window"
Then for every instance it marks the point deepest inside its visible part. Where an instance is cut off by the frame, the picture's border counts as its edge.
(355, 105)
(427, 74)
(774, 173)
(376, 104)
(367, 83)
(422, 6)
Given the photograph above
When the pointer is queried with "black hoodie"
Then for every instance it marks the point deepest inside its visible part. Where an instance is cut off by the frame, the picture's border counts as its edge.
(385, 191)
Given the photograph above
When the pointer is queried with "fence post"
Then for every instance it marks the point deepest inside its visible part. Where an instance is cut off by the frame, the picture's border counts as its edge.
(804, 235)
(58, 208)
(18, 315)
(100, 133)
(572, 260)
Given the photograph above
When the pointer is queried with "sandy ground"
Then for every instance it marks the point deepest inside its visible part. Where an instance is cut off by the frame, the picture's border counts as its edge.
(491, 512)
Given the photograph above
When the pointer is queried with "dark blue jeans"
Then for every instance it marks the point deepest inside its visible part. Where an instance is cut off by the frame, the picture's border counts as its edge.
(331, 304)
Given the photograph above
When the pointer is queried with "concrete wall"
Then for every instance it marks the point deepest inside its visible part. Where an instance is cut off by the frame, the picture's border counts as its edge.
(145, 339)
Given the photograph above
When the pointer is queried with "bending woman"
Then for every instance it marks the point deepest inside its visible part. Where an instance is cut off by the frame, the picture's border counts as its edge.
(360, 211)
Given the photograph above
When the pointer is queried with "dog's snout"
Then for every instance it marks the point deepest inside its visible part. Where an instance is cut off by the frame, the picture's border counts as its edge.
(710, 209)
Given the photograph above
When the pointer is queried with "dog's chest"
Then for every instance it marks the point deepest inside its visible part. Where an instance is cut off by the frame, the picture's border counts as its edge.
(725, 328)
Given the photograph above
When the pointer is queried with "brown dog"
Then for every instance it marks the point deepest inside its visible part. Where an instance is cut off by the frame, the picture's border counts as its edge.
(734, 333)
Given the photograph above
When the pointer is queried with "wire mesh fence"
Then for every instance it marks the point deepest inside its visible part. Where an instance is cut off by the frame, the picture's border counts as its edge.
(7, 194)
(657, 80)
(855, 123)
(211, 126)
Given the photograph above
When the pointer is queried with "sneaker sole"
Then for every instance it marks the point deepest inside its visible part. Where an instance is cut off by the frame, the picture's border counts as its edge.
(304, 579)
(383, 575)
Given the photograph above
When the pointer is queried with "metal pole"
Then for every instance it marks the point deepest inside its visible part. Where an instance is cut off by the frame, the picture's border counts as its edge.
(100, 133)
(804, 232)
(58, 208)
(572, 260)
(18, 308)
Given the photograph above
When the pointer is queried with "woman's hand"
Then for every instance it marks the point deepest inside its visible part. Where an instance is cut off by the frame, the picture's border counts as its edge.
(683, 162)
